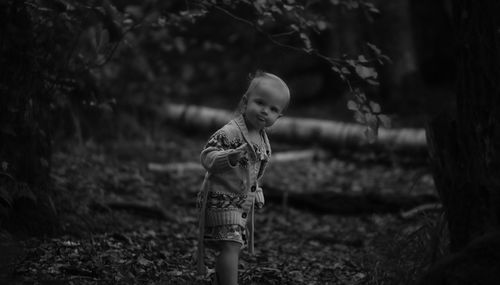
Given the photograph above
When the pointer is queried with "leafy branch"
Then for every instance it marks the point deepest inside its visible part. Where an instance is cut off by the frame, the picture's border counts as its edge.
(341, 66)
(366, 112)
(369, 113)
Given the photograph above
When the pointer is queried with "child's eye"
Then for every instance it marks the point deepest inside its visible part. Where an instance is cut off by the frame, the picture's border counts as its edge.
(274, 109)
(258, 102)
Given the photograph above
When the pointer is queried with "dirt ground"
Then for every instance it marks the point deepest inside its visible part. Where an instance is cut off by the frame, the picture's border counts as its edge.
(124, 224)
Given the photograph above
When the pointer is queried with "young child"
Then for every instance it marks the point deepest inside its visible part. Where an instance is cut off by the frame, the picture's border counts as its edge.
(235, 158)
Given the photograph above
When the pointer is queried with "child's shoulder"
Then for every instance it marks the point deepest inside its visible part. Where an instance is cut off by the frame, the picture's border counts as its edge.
(230, 130)
(227, 136)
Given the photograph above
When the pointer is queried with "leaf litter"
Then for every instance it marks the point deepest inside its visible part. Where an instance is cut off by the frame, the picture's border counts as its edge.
(98, 245)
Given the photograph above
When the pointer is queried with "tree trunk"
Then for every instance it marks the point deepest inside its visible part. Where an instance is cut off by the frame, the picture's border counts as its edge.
(24, 128)
(465, 151)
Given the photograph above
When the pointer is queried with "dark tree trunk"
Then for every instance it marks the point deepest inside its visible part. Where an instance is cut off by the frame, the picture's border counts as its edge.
(465, 150)
(24, 127)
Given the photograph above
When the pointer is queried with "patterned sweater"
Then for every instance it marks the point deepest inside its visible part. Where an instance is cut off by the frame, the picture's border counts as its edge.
(236, 187)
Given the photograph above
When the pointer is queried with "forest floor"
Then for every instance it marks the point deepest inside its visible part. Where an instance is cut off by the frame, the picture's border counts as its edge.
(155, 243)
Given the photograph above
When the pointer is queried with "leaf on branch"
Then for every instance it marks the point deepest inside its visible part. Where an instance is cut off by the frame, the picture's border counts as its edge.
(371, 7)
(351, 62)
(371, 120)
(374, 48)
(306, 40)
(359, 117)
(375, 107)
(344, 70)
(351, 105)
(322, 25)
(384, 120)
(361, 58)
(361, 96)
(365, 108)
(378, 53)
(366, 72)
(259, 5)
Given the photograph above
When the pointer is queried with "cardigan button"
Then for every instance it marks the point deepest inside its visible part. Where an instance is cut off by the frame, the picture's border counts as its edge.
(244, 215)
(252, 188)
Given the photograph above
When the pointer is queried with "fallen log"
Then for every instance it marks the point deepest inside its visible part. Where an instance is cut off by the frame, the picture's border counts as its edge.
(327, 202)
(348, 204)
(412, 213)
(144, 209)
(329, 133)
(290, 156)
(178, 167)
(196, 167)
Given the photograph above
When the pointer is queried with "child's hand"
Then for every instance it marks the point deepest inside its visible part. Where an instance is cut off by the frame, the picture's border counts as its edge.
(239, 152)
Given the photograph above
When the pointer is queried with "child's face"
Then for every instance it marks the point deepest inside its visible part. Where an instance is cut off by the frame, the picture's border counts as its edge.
(265, 104)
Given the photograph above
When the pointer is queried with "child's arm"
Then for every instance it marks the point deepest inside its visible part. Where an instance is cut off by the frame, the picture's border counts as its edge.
(218, 156)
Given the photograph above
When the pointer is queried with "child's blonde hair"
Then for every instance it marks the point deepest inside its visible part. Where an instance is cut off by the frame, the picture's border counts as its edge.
(255, 80)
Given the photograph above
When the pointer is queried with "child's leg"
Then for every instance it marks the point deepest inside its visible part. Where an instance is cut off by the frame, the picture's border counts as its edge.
(226, 265)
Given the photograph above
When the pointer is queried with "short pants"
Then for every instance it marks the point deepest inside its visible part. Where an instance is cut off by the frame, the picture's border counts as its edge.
(236, 233)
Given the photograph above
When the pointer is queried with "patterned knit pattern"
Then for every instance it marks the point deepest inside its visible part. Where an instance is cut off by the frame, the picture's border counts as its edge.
(230, 191)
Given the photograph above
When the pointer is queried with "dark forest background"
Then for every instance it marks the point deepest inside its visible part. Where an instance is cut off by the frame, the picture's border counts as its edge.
(83, 84)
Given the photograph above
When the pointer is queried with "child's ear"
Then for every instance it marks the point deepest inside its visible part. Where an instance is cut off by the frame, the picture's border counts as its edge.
(243, 103)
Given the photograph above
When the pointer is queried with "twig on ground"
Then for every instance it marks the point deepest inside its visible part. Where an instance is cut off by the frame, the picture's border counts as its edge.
(431, 207)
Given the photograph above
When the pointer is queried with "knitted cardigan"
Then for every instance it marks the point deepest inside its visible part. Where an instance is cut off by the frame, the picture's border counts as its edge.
(237, 181)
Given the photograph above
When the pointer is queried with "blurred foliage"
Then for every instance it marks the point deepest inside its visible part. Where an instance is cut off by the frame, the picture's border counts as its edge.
(368, 112)
(100, 56)
(93, 69)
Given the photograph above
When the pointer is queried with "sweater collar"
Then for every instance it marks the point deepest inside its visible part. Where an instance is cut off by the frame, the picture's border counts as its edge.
(240, 122)
(242, 125)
